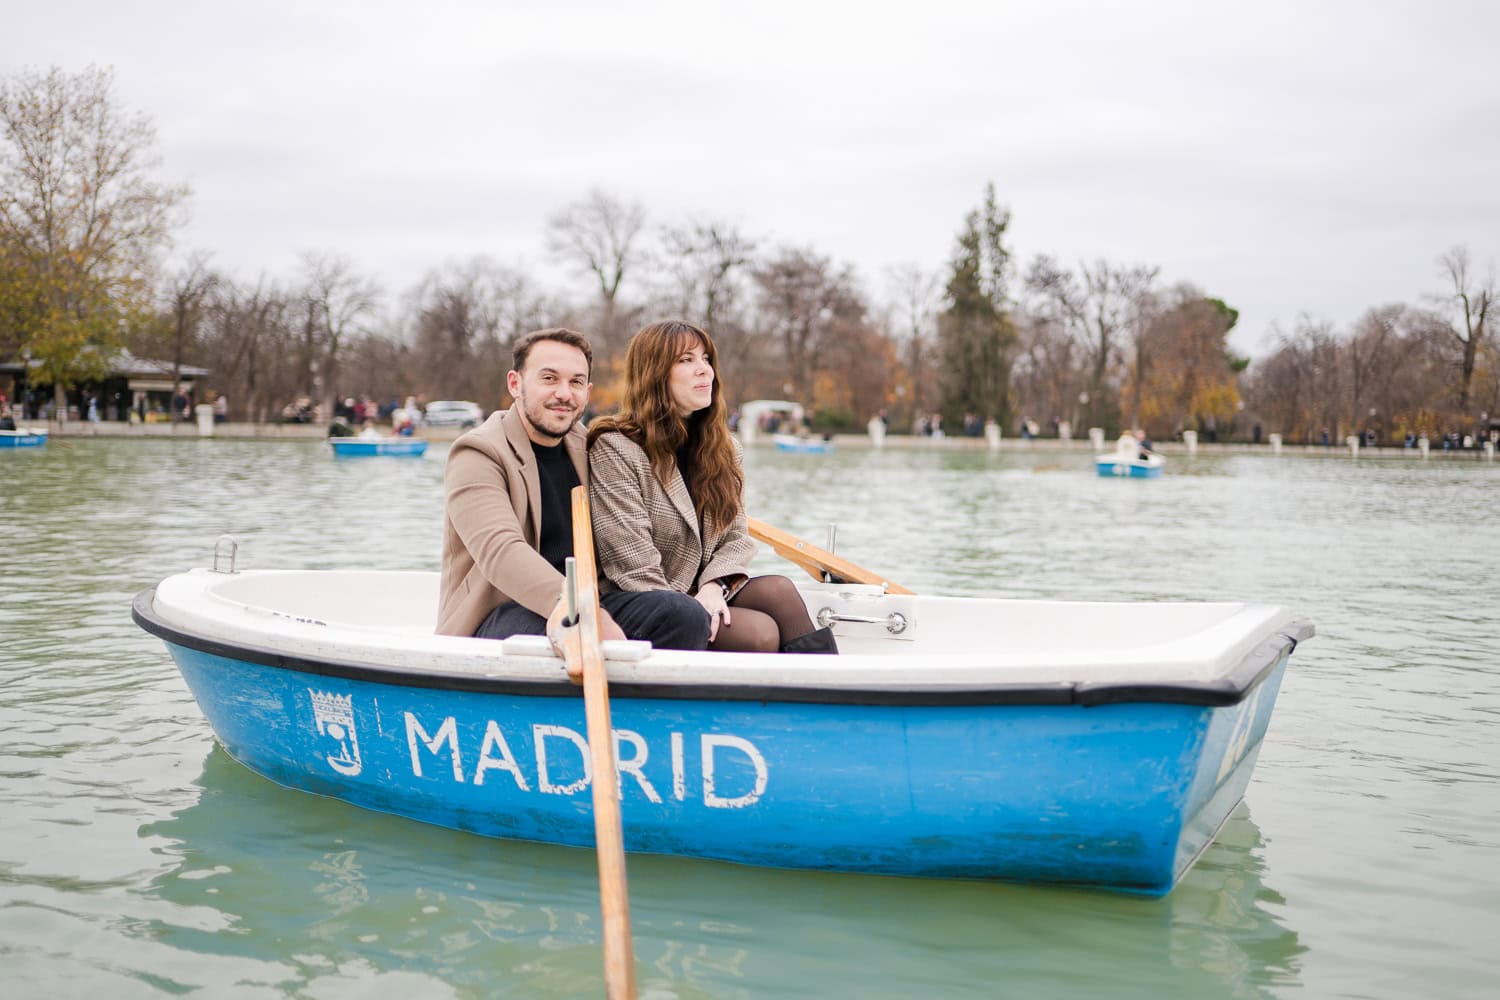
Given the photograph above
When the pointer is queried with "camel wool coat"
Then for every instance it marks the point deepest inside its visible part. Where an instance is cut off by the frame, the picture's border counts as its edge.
(492, 524)
(647, 534)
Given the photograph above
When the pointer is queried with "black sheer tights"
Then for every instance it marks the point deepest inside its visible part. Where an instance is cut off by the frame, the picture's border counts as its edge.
(765, 615)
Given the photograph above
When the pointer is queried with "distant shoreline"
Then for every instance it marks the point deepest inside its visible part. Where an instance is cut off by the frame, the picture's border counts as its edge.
(241, 431)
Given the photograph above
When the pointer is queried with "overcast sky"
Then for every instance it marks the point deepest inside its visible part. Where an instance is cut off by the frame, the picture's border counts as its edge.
(1288, 157)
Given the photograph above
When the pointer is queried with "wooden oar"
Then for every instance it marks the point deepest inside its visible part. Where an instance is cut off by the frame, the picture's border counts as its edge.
(578, 642)
(820, 564)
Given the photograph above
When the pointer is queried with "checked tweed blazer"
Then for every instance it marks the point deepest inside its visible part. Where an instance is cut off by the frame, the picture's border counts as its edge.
(647, 534)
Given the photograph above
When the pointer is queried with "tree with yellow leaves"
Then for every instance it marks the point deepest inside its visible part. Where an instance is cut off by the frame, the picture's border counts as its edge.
(82, 222)
(1183, 374)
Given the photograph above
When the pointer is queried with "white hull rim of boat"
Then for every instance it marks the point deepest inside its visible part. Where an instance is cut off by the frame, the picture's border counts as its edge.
(305, 620)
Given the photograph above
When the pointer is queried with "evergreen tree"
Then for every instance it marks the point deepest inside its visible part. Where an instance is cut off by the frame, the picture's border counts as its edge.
(975, 332)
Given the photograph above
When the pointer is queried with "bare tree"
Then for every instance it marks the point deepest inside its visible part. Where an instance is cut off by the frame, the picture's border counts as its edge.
(261, 322)
(1299, 386)
(598, 235)
(188, 292)
(337, 301)
(708, 262)
(914, 303)
(1048, 372)
(1100, 306)
(463, 317)
(1473, 300)
(707, 266)
(806, 300)
(1375, 352)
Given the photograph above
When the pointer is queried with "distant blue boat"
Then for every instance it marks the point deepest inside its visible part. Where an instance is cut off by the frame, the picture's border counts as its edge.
(1040, 751)
(791, 442)
(23, 438)
(1115, 465)
(354, 447)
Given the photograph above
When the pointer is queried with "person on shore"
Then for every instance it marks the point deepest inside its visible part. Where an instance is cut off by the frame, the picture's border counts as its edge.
(508, 516)
(667, 490)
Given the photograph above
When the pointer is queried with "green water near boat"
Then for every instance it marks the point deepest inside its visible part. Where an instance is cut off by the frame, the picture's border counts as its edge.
(138, 859)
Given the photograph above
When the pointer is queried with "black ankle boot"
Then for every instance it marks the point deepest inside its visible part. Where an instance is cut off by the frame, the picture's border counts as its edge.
(818, 641)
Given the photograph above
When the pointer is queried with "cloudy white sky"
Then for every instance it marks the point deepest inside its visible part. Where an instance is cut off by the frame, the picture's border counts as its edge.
(1290, 157)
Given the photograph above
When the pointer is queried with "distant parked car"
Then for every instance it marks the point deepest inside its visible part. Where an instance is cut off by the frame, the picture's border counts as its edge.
(452, 413)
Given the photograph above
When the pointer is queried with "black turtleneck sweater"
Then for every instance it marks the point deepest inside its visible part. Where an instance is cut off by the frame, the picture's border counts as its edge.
(558, 477)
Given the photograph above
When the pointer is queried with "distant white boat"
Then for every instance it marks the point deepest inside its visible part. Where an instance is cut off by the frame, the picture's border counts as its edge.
(791, 442)
(1114, 464)
(352, 447)
(778, 415)
(23, 437)
(1131, 459)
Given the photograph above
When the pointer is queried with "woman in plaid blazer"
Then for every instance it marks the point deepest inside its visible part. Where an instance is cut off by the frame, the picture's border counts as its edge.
(666, 486)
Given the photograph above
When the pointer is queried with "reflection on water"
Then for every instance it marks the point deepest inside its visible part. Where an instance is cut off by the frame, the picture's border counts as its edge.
(253, 866)
(136, 859)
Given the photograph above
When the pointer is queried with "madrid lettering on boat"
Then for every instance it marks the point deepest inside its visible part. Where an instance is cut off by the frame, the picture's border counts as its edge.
(555, 748)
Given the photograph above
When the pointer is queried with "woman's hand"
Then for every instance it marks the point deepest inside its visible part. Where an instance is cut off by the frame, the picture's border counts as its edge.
(711, 596)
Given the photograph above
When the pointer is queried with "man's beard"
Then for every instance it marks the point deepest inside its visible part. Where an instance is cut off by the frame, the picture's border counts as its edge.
(544, 419)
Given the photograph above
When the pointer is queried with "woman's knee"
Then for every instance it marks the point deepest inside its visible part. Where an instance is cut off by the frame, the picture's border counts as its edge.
(778, 589)
(749, 631)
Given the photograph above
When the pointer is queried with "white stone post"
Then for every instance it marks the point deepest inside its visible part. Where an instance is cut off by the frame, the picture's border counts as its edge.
(1353, 441)
(1190, 438)
(1423, 445)
(876, 427)
(1276, 444)
(205, 414)
(1096, 438)
(992, 434)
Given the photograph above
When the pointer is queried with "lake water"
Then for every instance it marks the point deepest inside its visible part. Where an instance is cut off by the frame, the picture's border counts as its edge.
(137, 859)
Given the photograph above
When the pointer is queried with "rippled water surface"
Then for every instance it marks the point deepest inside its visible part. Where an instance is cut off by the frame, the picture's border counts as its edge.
(138, 859)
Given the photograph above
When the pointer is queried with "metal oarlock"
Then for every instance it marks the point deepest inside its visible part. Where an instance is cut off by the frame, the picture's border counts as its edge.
(234, 548)
(570, 588)
(895, 622)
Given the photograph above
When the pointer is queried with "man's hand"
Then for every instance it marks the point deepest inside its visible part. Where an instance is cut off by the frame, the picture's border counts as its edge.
(607, 627)
(559, 637)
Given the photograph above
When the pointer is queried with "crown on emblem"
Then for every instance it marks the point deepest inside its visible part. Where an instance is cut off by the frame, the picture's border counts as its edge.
(332, 705)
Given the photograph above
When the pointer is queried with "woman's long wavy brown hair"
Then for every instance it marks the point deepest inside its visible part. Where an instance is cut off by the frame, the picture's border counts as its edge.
(650, 419)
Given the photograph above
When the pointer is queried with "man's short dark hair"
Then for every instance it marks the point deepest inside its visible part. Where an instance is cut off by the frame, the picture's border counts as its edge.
(521, 348)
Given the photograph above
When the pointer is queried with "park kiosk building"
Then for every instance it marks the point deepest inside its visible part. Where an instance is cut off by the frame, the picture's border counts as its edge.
(133, 385)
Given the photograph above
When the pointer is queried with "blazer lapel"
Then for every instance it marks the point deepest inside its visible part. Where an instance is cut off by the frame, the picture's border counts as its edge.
(520, 445)
(677, 492)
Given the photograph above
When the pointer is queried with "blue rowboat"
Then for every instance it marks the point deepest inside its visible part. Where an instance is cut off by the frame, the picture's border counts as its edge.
(23, 438)
(1115, 465)
(352, 447)
(1084, 744)
(791, 442)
